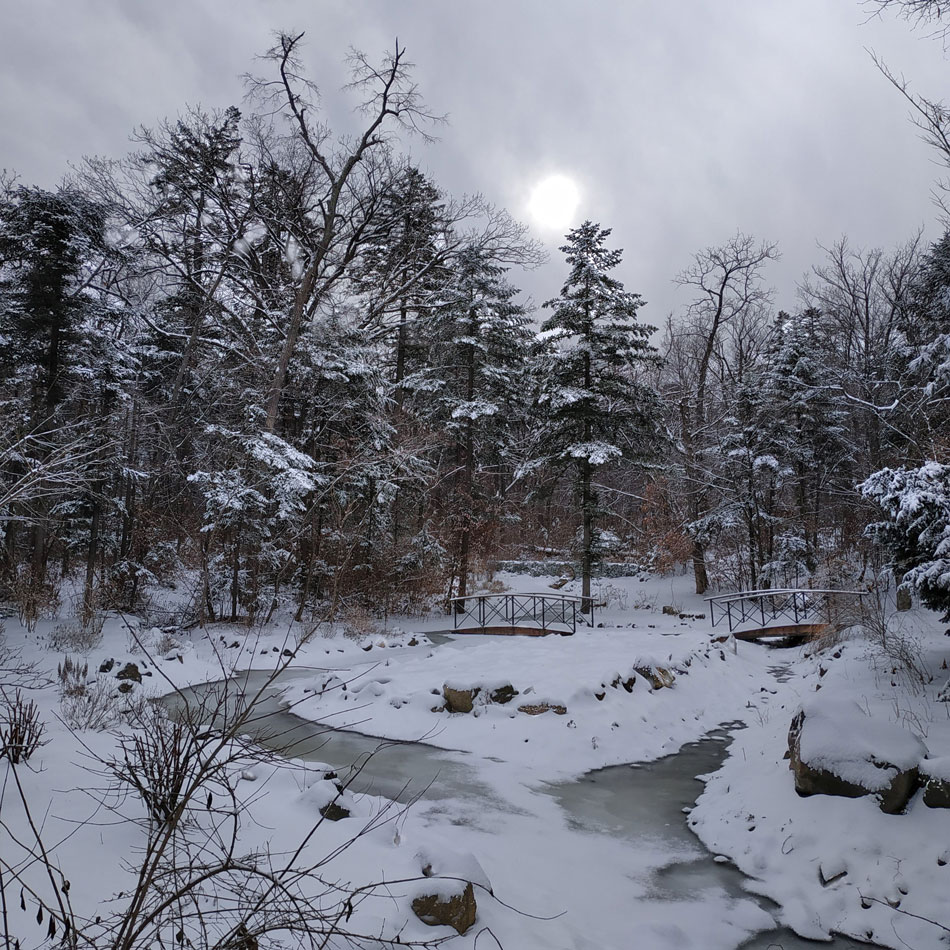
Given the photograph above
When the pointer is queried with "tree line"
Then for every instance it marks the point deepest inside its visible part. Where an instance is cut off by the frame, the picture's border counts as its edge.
(283, 364)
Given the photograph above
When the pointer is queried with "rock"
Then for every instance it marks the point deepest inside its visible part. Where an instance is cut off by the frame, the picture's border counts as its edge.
(936, 776)
(106, 666)
(447, 909)
(536, 709)
(129, 672)
(126, 687)
(835, 749)
(937, 793)
(413, 642)
(333, 811)
(459, 700)
(504, 694)
(657, 676)
(671, 611)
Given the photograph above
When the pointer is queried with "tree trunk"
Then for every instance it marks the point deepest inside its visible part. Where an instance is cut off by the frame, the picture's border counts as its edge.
(698, 553)
(88, 600)
(587, 555)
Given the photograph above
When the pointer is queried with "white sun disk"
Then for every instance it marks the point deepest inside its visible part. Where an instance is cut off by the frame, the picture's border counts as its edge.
(554, 201)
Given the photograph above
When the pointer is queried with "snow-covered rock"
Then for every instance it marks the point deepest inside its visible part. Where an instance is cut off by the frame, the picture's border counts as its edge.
(836, 749)
(935, 773)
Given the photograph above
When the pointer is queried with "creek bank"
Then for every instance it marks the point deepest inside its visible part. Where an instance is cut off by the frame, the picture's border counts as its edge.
(642, 804)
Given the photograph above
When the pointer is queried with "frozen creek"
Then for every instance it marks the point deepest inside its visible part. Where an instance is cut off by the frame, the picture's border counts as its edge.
(638, 808)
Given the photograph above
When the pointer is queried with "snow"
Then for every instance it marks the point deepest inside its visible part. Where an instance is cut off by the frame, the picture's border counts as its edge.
(938, 768)
(840, 737)
(831, 864)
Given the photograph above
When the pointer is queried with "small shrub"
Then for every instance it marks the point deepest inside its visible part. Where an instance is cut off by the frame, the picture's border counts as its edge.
(96, 706)
(359, 623)
(165, 643)
(21, 730)
(159, 762)
(641, 601)
(74, 636)
(72, 676)
(607, 595)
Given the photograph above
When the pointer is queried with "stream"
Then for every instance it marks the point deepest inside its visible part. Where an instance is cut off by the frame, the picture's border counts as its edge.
(641, 803)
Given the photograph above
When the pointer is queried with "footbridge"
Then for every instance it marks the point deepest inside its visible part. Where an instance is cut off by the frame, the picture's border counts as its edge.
(525, 614)
(789, 612)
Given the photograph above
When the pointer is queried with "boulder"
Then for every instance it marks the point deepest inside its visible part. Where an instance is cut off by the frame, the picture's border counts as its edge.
(503, 694)
(333, 811)
(657, 676)
(459, 700)
(129, 672)
(836, 749)
(936, 778)
(448, 903)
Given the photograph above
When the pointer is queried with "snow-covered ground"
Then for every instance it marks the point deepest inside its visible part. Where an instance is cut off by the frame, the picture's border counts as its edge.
(559, 878)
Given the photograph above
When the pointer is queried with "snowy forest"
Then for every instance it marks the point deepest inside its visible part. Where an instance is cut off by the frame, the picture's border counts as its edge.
(284, 363)
(276, 411)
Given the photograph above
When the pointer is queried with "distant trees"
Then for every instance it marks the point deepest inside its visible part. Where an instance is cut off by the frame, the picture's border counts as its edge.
(728, 297)
(285, 365)
(914, 497)
(593, 407)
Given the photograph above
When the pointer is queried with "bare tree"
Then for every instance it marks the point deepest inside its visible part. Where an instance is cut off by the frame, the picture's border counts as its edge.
(727, 285)
(865, 295)
(932, 119)
(351, 174)
(931, 14)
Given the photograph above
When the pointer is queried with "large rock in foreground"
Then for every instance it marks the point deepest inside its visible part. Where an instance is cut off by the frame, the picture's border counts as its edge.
(459, 699)
(448, 903)
(836, 749)
(446, 894)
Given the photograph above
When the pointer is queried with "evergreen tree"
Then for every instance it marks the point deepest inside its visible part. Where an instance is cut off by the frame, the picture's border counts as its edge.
(472, 389)
(594, 409)
(804, 420)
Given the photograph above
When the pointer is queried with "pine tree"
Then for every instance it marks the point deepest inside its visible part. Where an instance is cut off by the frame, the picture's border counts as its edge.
(594, 409)
(804, 420)
(473, 389)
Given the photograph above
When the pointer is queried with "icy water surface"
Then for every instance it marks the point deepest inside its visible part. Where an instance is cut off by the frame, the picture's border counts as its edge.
(646, 803)
(651, 801)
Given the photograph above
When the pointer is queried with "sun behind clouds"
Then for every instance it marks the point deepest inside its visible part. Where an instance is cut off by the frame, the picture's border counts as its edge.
(554, 202)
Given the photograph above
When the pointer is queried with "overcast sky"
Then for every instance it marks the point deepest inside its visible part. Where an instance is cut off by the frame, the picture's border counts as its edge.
(681, 121)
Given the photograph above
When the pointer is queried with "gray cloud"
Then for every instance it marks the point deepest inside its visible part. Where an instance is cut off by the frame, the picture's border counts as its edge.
(682, 122)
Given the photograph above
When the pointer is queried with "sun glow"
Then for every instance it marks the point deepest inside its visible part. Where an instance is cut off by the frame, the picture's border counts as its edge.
(554, 201)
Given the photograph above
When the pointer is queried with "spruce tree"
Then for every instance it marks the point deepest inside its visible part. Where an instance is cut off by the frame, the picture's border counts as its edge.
(473, 390)
(594, 409)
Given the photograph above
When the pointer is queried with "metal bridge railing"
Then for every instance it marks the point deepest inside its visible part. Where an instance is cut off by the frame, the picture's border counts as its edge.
(514, 610)
(798, 605)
